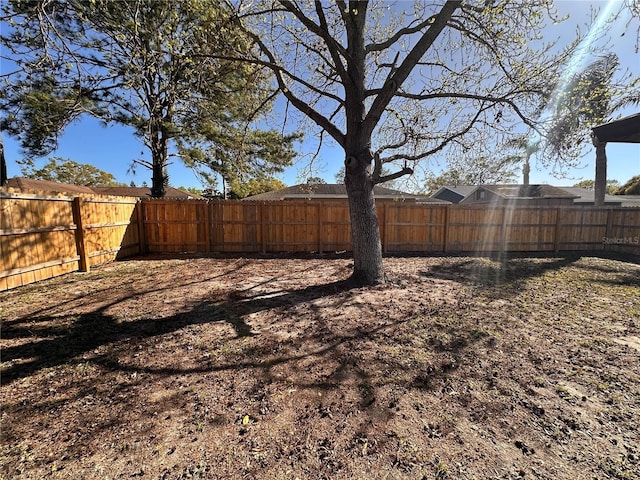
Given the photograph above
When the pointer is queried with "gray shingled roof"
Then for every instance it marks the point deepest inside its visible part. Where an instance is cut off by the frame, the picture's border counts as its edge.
(586, 195)
(462, 190)
(527, 191)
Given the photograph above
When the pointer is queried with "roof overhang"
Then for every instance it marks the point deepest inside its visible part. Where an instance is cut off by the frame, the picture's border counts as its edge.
(624, 130)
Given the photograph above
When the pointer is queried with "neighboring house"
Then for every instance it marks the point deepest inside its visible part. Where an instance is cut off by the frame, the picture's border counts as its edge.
(538, 195)
(453, 193)
(144, 192)
(20, 183)
(333, 191)
(520, 195)
(29, 184)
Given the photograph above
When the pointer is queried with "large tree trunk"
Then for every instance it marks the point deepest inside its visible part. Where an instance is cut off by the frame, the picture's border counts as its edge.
(365, 231)
(157, 180)
(601, 171)
(159, 154)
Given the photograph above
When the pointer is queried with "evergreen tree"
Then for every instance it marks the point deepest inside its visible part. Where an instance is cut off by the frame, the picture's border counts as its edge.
(147, 64)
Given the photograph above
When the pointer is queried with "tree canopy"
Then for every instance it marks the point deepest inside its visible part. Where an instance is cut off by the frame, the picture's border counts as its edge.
(612, 185)
(631, 187)
(153, 65)
(234, 155)
(570, 106)
(255, 186)
(3, 165)
(64, 170)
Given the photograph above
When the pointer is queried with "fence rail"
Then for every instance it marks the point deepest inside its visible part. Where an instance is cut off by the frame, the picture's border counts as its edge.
(42, 236)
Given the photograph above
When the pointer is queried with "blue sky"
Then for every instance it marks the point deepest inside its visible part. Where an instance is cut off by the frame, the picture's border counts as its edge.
(112, 148)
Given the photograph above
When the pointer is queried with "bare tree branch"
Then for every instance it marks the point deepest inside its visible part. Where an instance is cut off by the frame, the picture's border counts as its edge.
(389, 90)
(376, 47)
(508, 100)
(387, 178)
(444, 142)
(304, 107)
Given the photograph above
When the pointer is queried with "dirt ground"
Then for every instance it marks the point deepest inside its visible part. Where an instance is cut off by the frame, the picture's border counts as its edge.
(269, 368)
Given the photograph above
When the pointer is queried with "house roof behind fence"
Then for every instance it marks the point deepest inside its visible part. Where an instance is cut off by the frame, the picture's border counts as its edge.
(462, 190)
(585, 195)
(527, 191)
(143, 192)
(334, 191)
(31, 184)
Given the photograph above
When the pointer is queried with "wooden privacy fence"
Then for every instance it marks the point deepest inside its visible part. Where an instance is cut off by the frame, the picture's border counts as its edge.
(42, 236)
(324, 226)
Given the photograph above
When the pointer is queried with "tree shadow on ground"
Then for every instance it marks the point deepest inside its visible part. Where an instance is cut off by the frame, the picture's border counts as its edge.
(53, 340)
(55, 343)
(147, 285)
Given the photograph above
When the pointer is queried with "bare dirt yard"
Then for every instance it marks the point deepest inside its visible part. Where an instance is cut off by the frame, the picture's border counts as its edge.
(270, 368)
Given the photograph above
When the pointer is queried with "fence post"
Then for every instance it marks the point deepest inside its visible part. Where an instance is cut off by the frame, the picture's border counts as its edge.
(503, 231)
(80, 244)
(263, 227)
(608, 229)
(556, 232)
(211, 225)
(445, 233)
(320, 245)
(385, 227)
(142, 238)
(221, 210)
(207, 226)
(218, 232)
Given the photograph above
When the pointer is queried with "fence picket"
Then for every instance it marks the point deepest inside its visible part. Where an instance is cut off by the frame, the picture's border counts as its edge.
(42, 236)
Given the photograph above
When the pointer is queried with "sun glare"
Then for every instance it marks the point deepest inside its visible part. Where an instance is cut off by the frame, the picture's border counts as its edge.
(578, 61)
